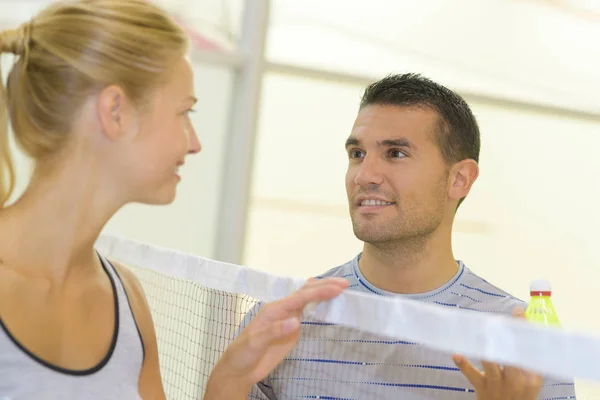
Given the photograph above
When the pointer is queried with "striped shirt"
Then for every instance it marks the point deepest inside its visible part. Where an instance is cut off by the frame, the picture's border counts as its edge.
(340, 363)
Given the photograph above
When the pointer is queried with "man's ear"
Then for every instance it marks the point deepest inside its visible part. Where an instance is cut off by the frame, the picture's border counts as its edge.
(463, 175)
(111, 107)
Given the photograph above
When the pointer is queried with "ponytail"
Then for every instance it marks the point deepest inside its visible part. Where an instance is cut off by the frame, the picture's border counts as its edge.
(14, 41)
(7, 168)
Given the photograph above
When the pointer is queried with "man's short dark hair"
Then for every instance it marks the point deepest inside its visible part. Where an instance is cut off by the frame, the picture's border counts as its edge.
(457, 133)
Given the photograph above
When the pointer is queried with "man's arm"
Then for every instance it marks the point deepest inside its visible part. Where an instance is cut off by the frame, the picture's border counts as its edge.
(150, 383)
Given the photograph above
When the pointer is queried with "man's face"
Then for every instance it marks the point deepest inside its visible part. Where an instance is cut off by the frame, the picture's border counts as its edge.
(397, 181)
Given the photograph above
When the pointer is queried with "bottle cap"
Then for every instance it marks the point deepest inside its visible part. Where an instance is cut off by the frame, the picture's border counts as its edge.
(540, 287)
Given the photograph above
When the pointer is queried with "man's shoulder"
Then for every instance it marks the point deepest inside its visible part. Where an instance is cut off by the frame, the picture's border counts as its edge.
(486, 296)
(341, 271)
(337, 272)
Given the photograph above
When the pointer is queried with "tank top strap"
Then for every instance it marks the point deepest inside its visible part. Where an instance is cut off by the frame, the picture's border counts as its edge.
(127, 321)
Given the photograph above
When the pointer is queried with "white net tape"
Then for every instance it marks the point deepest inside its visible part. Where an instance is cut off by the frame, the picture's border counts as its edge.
(198, 305)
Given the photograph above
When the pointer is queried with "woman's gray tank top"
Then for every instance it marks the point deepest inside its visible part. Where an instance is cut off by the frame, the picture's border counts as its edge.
(23, 376)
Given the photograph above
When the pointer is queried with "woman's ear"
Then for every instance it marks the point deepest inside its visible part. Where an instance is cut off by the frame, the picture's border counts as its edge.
(112, 109)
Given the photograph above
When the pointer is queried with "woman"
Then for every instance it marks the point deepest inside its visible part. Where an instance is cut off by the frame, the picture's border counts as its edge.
(100, 97)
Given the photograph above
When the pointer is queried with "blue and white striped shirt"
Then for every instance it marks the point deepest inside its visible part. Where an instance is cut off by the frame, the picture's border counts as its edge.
(334, 362)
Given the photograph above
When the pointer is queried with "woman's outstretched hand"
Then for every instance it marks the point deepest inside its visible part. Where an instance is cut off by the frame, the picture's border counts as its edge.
(264, 343)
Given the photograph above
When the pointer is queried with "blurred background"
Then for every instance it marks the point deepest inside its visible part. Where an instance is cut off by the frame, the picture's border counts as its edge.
(279, 83)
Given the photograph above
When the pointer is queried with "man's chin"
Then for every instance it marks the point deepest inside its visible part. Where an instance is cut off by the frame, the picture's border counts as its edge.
(371, 237)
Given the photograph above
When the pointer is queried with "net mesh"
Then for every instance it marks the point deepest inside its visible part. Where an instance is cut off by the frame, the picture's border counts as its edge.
(357, 346)
(194, 325)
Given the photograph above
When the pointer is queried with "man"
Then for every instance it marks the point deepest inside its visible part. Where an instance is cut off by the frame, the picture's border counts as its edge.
(413, 156)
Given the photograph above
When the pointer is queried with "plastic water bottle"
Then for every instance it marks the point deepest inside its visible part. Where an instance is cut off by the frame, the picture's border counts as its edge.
(540, 309)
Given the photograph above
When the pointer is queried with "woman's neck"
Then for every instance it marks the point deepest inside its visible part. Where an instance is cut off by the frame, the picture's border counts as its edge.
(52, 228)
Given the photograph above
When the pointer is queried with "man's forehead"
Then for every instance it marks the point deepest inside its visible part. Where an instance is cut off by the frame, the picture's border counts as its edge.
(379, 122)
(396, 116)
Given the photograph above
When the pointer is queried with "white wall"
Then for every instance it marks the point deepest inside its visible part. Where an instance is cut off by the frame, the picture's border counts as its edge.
(218, 20)
(521, 49)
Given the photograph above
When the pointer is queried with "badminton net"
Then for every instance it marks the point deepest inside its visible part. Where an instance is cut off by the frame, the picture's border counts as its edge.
(199, 306)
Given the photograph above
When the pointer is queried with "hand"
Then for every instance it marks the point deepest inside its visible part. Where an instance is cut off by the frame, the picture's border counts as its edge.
(501, 383)
(264, 343)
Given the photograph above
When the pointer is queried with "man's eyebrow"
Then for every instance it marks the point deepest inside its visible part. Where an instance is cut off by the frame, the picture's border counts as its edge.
(352, 142)
(396, 142)
(400, 142)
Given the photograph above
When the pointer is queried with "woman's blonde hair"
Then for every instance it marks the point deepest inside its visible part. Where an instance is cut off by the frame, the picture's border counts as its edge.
(70, 51)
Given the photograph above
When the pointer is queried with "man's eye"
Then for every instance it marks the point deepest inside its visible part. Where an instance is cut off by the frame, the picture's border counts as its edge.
(394, 153)
(356, 154)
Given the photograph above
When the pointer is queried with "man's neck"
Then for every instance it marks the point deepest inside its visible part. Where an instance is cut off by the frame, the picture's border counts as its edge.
(409, 267)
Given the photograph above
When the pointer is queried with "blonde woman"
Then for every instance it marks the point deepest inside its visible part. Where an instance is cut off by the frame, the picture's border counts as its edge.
(99, 97)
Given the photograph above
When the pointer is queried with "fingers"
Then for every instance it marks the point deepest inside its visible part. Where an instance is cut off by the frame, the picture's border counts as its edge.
(523, 384)
(534, 383)
(313, 291)
(492, 371)
(494, 377)
(317, 290)
(257, 350)
(496, 382)
(260, 339)
(516, 376)
(341, 282)
(518, 312)
(474, 376)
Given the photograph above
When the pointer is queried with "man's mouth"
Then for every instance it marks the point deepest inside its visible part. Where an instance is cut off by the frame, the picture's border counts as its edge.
(375, 203)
